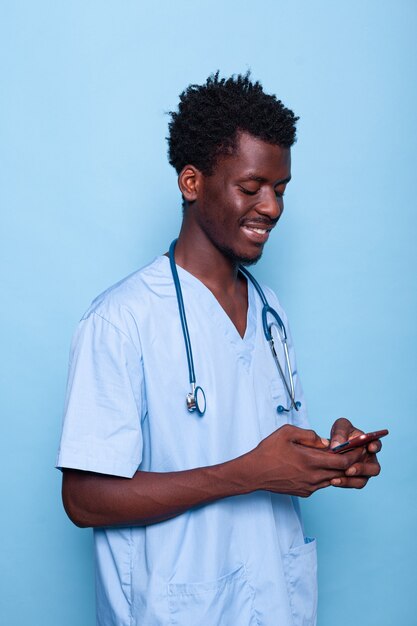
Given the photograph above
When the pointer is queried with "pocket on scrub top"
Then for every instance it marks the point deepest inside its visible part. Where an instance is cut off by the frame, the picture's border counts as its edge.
(277, 389)
(223, 602)
(279, 397)
(300, 565)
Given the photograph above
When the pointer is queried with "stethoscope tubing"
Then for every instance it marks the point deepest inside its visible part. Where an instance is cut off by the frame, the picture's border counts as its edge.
(181, 310)
(196, 392)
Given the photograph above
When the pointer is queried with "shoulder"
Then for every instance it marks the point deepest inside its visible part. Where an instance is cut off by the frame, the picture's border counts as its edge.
(121, 306)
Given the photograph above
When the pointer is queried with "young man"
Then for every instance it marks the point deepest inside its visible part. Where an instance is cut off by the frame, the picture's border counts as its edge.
(195, 511)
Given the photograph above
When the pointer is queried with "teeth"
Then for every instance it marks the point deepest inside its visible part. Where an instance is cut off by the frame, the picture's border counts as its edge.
(260, 231)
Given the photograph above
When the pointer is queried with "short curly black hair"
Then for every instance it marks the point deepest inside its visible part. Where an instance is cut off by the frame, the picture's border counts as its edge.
(210, 115)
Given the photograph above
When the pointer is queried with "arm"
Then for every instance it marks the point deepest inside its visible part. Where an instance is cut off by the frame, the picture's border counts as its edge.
(290, 461)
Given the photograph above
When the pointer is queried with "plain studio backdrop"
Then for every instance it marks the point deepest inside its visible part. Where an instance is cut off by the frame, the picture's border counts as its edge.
(87, 196)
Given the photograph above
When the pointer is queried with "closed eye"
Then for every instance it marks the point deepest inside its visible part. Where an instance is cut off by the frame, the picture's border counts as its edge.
(248, 192)
(251, 192)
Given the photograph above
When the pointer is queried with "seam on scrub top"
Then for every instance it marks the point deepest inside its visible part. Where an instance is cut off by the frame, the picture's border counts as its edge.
(277, 304)
(139, 354)
(212, 586)
(119, 330)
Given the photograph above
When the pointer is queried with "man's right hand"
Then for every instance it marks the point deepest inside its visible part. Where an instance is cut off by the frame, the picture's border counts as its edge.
(297, 462)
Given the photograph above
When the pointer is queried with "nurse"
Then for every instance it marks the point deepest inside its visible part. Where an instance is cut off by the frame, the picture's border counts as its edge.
(195, 512)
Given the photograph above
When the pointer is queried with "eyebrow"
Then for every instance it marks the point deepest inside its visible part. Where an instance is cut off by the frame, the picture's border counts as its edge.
(261, 179)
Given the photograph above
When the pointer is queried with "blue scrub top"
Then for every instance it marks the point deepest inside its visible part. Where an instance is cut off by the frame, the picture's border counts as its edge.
(239, 561)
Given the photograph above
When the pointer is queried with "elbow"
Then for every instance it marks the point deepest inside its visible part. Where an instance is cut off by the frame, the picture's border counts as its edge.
(78, 520)
(72, 500)
(77, 517)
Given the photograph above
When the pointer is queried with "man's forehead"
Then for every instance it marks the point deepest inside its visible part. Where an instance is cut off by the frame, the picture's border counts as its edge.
(249, 144)
(261, 179)
(257, 159)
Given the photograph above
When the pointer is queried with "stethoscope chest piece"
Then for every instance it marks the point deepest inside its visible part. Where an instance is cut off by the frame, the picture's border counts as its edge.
(196, 401)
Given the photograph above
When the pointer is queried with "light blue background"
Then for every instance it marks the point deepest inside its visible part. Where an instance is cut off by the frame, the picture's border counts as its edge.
(87, 196)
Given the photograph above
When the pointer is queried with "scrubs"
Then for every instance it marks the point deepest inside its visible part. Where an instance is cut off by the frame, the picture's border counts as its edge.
(240, 561)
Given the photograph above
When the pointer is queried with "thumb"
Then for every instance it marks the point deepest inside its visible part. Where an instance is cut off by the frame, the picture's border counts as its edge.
(310, 439)
(342, 430)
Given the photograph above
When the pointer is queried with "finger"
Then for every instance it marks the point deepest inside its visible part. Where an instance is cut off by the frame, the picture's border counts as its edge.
(326, 476)
(374, 446)
(342, 430)
(349, 483)
(309, 438)
(366, 469)
(329, 460)
(321, 485)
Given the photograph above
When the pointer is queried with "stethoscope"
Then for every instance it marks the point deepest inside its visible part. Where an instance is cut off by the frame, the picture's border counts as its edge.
(196, 398)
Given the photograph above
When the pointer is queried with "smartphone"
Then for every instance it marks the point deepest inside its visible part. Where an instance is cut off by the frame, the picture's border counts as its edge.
(360, 440)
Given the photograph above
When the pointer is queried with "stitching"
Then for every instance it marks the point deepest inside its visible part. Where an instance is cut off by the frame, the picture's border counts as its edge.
(118, 330)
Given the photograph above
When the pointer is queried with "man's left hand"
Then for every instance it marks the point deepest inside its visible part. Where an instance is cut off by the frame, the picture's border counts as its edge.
(358, 474)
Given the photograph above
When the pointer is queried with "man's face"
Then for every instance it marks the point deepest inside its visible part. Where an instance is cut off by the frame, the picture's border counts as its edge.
(238, 205)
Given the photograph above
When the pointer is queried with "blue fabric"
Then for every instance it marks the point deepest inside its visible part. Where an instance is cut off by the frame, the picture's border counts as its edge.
(241, 560)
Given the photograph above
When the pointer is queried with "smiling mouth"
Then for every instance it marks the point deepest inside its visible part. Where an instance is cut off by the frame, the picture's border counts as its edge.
(260, 231)
(256, 234)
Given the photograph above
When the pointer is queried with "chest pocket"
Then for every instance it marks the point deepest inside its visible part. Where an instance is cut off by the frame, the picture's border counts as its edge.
(279, 398)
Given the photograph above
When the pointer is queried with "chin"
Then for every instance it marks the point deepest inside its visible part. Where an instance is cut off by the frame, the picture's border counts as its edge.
(250, 261)
(240, 258)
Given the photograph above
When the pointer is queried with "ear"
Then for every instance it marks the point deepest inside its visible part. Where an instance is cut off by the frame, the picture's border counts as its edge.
(189, 181)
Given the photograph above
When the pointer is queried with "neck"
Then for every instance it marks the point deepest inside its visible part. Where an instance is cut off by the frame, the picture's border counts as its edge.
(195, 253)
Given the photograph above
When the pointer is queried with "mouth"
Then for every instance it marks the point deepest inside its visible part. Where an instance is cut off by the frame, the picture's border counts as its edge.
(256, 234)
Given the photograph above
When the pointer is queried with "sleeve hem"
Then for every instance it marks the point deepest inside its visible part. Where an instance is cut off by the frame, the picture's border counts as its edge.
(111, 468)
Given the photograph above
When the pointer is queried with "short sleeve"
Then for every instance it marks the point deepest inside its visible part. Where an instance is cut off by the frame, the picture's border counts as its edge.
(105, 401)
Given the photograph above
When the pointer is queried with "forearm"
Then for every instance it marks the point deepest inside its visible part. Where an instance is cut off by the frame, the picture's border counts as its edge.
(149, 497)
(290, 461)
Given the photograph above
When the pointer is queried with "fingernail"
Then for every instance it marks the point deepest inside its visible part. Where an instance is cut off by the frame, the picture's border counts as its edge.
(336, 481)
(351, 471)
(324, 441)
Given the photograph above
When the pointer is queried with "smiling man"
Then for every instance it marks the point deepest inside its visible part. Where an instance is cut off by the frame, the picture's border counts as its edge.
(185, 440)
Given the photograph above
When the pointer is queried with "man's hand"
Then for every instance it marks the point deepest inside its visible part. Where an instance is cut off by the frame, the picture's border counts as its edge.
(297, 462)
(357, 474)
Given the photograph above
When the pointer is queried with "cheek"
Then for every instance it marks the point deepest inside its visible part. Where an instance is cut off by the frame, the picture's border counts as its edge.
(222, 211)
(224, 207)
(219, 224)
(229, 215)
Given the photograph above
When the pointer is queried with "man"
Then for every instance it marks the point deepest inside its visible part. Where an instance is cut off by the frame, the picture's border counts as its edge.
(195, 512)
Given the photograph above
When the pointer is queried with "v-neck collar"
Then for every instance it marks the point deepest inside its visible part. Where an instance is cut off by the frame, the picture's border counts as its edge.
(245, 344)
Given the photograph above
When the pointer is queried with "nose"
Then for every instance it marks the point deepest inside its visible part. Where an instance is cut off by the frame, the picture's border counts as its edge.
(271, 205)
